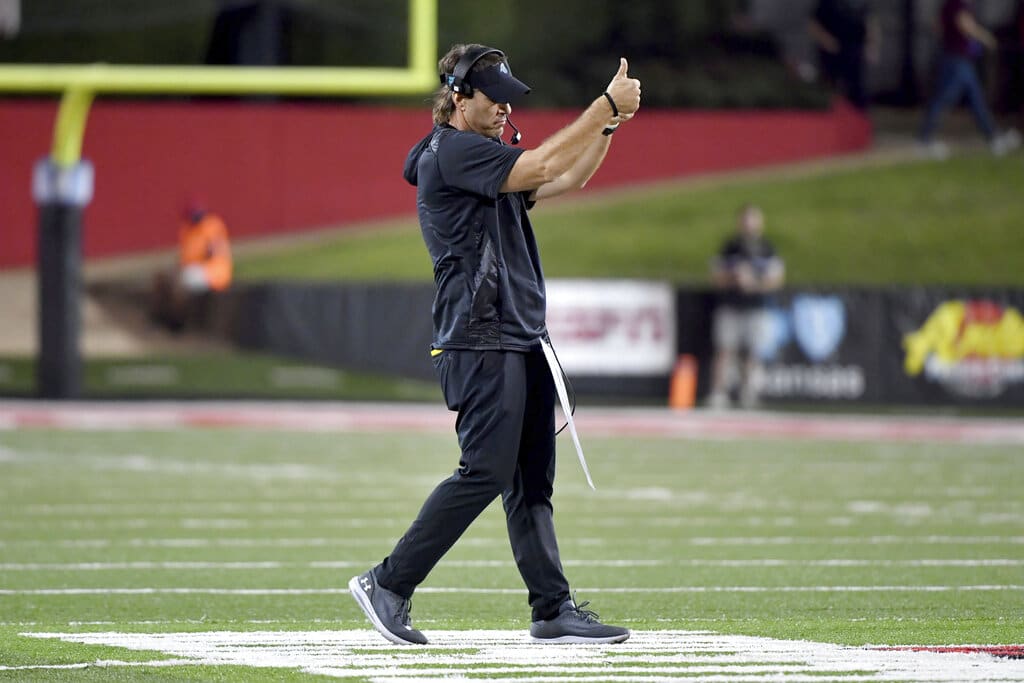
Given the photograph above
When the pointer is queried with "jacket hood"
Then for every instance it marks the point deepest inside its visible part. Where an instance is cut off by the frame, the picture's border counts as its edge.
(412, 162)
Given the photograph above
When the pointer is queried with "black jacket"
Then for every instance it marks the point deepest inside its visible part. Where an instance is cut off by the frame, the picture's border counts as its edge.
(489, 284)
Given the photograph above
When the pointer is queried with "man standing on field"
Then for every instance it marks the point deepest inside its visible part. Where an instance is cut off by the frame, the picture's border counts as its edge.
(473, 193)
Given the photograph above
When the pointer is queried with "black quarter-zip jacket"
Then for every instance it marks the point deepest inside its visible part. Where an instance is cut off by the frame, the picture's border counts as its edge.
(489, 284)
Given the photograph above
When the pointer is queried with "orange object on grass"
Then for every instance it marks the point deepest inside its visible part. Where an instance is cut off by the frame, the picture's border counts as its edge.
(682, 393)
(204, 242)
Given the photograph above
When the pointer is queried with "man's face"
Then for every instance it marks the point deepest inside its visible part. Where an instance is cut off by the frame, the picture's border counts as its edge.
(751, 223)
(483, 115)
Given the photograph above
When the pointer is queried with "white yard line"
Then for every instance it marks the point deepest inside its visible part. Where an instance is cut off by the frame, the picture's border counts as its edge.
(317, 542)
(690, 499)
(170, 622)
(207, 523)
(143, 566)
(481, 655)
(853, 540)
(178, 508)
(146, 565)
(783, 521)
(241, 524)
(518, 591)
(231, 542)
(275, 472)
(100, 664)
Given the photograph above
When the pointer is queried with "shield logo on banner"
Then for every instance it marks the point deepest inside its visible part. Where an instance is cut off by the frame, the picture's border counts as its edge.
(819, 323)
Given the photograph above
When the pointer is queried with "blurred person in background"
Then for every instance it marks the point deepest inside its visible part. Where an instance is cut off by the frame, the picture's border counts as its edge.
(745, 272)
(491, 349)
(204, 265)
(1016, 75)
(963, 41)
(847, 35)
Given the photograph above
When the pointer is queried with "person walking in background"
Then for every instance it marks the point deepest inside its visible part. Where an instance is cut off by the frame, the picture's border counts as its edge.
(963, 40)
(847, 35)
(204, 265)
(745, 272)
(1016, 84)
(490, 347)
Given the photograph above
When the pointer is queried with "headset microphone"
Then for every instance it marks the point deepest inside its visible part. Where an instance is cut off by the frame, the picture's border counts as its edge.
(516, 136)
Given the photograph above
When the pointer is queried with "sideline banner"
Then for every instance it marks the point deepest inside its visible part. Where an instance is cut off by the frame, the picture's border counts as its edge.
(619, 339)
(612, 327)
(948, 346)
(822, 345)
(911, 346)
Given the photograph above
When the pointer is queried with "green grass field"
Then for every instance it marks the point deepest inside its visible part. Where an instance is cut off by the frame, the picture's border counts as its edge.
(957, 222)
(254, 376)
(216, 533)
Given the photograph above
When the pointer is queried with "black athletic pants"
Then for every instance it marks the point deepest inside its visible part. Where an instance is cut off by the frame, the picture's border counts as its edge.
(506, 425)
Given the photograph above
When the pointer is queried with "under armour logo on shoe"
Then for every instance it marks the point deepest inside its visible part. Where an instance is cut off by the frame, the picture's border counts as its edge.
(366, 583)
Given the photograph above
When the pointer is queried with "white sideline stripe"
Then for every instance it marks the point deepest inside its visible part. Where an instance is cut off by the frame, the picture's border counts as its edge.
(853, 540)
(239, 524)
(265, 622)
(728, 678)
(340, 564)
(357, 564)
(648, 656)
(314, 542)
(102, 664)
(210, 523)
(774, 677)
(515, 591)
(225, 542)
(111, 566)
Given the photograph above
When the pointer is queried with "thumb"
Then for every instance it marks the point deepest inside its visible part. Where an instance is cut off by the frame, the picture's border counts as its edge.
(623, 66)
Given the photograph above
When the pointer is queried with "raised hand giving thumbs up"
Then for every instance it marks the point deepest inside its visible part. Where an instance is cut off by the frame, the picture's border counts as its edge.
(623, 93)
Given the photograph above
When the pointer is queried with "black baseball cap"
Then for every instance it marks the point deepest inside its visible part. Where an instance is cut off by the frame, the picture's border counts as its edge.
(498, 83)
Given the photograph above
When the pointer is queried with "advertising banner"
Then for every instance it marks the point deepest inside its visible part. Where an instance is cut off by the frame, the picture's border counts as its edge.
(821, 345)
(613, 327)
(963, 347)
(620, 339)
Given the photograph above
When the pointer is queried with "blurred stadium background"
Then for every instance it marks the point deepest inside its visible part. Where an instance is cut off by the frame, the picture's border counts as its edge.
(735, 110)
(872, 500)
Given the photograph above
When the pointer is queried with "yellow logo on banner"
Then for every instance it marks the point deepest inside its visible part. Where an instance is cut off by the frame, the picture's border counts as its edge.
(958, 329)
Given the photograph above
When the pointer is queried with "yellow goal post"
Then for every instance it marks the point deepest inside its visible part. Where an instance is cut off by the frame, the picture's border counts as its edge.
(81, 83)
(62, 183)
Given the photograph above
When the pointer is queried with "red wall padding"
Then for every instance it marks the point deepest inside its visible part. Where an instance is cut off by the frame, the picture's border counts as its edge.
(277, 168)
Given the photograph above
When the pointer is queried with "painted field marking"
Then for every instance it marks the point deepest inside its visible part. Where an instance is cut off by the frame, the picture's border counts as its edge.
(432, 418)
(328, 565)
(479, 655)
(144, 464)
(99, 664)
(692, 499)
(177, 508)
(852, 540)
(242, 525)
(191, 523)
(321, 542)
(516, 591)
(234, 542)
(143, 565)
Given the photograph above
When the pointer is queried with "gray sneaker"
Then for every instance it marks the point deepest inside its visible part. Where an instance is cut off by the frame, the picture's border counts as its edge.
(574, 624)
(387, 611)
